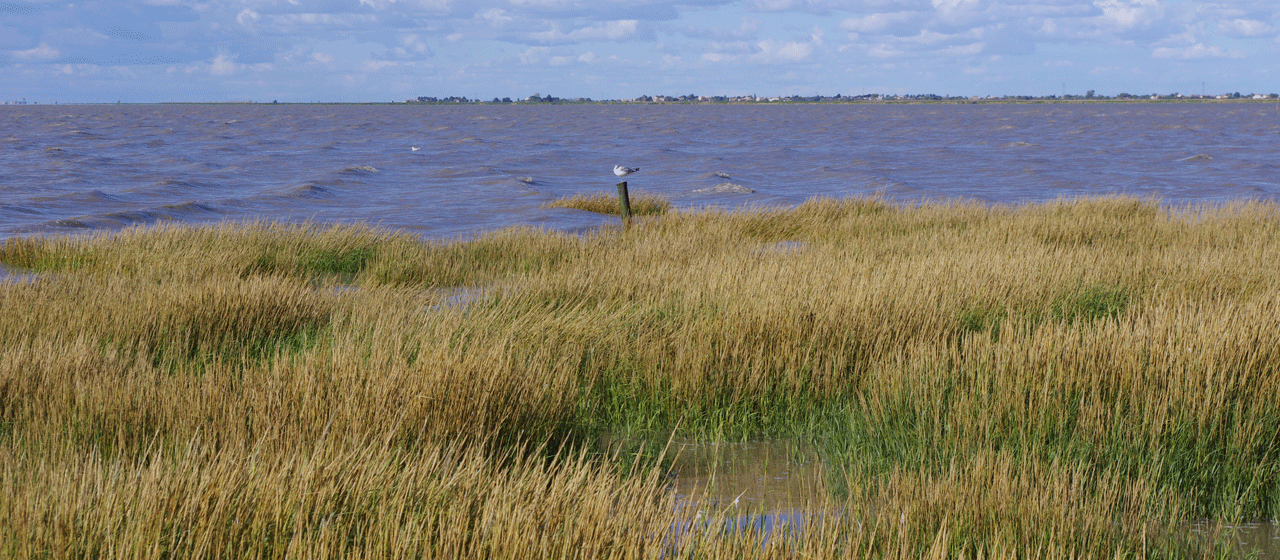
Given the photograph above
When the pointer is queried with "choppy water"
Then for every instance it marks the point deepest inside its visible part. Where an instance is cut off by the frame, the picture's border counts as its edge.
(68, 168)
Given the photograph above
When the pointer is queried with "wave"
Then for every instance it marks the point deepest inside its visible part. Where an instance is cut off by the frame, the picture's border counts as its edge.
(309, 190)
(19, 209)
(190, 208)
(90, 197)
(178, 212)
(182, 183)
(359, 170)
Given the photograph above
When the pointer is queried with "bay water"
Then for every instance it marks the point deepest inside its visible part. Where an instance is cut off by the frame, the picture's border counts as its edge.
(476, 168)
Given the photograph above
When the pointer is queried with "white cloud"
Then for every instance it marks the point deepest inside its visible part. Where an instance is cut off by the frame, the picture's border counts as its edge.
(954, 5)
(771, 5)
(881, 23)
(1196, 51)
(222, 66)
(970, 49)
(42, 52)
(544, 4)
(410, 45)
(1246, 28)
(504, 47)
(540, 55)
(1130, 13)
(376, 65)
(749, 29)
(247, 17)
(770, 50)
(496, 17)
(429, 5)
(604, 31)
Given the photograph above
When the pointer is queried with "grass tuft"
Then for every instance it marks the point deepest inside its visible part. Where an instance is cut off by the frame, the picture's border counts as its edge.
(644, 205)
(1091, 304)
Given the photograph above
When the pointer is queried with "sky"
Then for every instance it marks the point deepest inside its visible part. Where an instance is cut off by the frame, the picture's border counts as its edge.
(392, 50)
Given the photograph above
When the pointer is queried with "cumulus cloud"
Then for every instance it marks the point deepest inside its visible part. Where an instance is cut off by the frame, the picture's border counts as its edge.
(376, 65)
(891, 23)
(247, 17)
(222, 65)
(1129, 13)
(1196, 51)
(376, 43)
(604, 31)
(496, 17)
(40, 53)
(955, 5)
(427, 5)
(1240, 27)
(554, 56)
(770, 50)
(411, 45)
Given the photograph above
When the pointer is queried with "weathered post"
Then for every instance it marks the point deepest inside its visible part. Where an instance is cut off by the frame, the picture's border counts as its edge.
(624, 203)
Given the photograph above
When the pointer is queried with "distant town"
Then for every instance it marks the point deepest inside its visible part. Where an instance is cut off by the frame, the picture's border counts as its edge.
(837, 98)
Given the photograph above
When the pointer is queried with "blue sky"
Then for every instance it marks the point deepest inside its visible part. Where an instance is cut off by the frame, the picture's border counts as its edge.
(384, 50)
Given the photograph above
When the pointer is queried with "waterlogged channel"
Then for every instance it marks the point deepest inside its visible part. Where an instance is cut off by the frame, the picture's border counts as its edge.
(1254, 540)
(759, 476)
(768, 487)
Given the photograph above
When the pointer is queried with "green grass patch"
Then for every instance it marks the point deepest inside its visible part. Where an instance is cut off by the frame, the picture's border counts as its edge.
(976, 320)
(1091, 304)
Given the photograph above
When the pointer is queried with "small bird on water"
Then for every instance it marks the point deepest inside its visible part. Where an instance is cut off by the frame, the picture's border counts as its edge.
(624, 171)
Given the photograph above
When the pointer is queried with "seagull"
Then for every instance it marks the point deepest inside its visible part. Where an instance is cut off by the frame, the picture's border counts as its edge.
(624, 171)
(414, 148)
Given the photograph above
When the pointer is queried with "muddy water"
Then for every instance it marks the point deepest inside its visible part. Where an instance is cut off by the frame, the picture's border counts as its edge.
(1254, 540)
(10, 274)
(759, 476)
(767, 485)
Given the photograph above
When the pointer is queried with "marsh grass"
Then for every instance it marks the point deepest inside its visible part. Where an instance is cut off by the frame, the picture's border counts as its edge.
(1073, 379)
(643, 205)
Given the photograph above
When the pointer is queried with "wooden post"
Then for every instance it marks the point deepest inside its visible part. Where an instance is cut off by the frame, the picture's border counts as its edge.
(624, 203)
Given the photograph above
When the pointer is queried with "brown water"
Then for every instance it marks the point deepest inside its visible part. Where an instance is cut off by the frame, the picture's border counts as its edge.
(767, 484)
(77, 168)
(1257, 540)
(760, 476)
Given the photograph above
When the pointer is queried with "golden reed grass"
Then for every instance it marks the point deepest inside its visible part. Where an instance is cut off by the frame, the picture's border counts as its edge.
(1073, 379)
(644, 205)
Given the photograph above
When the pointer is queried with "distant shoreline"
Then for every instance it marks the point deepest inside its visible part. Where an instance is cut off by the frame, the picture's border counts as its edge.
(824, 101)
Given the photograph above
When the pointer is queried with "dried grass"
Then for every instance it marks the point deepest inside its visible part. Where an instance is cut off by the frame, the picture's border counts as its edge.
(643, 205)
(1073, 379)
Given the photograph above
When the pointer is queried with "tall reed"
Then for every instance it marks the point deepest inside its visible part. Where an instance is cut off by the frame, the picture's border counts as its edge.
(1077, 378)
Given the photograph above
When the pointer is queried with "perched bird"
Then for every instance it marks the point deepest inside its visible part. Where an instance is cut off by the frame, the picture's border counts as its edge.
(624, 171)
